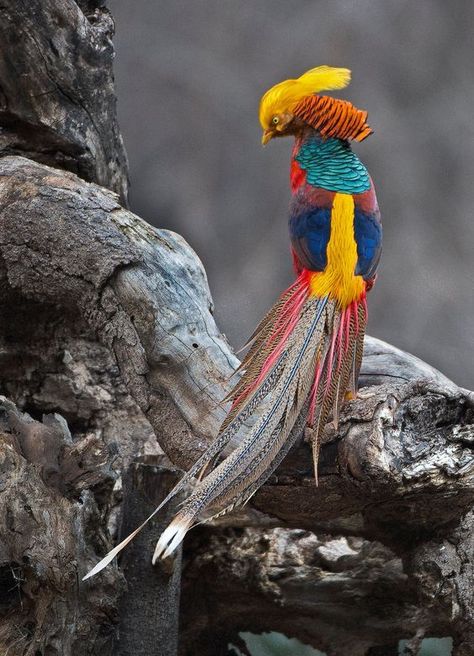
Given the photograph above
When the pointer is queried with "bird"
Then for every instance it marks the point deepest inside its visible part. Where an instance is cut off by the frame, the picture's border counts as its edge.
(303, 360)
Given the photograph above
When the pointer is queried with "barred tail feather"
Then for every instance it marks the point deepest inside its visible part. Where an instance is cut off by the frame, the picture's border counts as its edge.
(319, 348)
(303, 359)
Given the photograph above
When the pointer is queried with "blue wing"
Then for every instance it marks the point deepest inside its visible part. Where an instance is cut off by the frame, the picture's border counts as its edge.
(310, 232)
(368, 235)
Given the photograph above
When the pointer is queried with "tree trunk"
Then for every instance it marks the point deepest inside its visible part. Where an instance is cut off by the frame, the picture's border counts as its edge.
(149, 610)
(107, 338)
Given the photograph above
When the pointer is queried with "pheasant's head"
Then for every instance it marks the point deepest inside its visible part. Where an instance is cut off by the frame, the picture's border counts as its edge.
(293, 104)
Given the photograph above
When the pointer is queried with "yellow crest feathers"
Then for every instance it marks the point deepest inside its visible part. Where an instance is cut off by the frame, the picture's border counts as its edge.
(282, 97)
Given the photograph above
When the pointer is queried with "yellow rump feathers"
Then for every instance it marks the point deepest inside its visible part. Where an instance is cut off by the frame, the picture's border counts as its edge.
(338, 279)
(283, 97)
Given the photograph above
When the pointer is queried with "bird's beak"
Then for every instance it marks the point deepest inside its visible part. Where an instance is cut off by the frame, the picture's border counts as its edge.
(266, 136)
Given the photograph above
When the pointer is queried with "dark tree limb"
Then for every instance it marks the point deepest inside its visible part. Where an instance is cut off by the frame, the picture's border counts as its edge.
(346, 596)
(443, 569)
(149, 609)
(342, 595)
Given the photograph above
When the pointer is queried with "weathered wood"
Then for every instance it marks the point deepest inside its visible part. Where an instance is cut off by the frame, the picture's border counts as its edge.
(345, 596)
(143, 290)
(57, 100)
(442, 568)
(45, 518)
(149, 609)
(340, 595)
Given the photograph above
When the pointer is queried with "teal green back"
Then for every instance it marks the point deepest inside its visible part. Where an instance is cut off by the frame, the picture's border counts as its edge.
(331, 164)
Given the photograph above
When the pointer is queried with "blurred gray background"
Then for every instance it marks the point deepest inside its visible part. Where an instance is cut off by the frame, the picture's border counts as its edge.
(189, 78)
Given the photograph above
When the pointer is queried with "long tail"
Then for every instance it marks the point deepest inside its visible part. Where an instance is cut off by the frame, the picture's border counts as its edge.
(303, 359)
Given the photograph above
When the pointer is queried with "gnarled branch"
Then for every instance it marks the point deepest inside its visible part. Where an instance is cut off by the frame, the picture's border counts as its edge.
(402, 452)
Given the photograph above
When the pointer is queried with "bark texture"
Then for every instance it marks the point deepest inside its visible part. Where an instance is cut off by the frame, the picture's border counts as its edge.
(149, 614)
(57, 96)
(107, 339)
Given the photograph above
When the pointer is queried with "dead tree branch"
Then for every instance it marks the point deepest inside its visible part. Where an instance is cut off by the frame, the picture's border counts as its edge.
(144, 293)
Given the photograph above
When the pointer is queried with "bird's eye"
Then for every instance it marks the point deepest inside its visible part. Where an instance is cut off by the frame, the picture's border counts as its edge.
(275, 120)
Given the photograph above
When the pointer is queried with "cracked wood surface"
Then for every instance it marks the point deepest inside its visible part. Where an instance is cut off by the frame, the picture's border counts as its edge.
(402, 455)
(46, 514)
(57, 99)
(341, 595)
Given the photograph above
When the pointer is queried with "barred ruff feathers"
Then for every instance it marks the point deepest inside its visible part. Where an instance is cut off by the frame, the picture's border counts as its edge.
(333, 117)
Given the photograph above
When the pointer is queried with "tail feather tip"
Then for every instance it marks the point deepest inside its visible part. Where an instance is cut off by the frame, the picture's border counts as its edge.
(171, 538)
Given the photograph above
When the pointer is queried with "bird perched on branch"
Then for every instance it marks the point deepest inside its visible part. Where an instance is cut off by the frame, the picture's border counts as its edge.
(305, 355)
